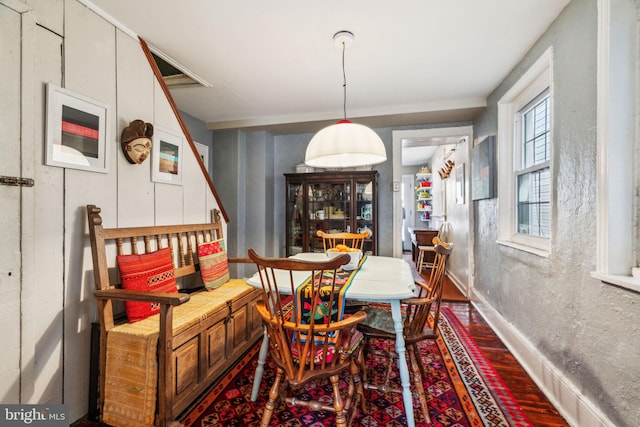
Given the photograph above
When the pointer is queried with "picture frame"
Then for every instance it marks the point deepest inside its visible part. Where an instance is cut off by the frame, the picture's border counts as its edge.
(483, 169)
(76, 131)
(460, 199)
(167, 156)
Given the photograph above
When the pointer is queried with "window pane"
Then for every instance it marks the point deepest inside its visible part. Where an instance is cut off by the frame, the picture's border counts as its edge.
(535, 133)
(534, 207)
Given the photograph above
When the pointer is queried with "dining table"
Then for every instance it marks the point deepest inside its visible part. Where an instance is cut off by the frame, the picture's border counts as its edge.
(378, 279)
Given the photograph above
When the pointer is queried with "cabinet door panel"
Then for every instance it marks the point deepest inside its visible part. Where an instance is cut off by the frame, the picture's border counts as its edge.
(186, 366)
(216, 343)
(239, 325)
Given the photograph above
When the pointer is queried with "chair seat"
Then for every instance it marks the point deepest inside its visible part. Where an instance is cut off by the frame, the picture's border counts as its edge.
(379, 324)
(378, 319)
(356, 339)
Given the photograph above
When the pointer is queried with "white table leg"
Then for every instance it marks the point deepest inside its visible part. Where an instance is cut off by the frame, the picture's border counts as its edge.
(257, 378)
(402, 362)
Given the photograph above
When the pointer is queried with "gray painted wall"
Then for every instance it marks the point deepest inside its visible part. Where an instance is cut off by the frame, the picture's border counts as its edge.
(287, 151)
(587, 329)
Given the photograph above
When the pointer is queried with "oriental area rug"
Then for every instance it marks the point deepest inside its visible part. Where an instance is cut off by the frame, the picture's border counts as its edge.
(462, 389)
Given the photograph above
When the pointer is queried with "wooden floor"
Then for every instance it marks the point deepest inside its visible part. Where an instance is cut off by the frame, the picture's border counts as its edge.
(540, 411)
(537, 407)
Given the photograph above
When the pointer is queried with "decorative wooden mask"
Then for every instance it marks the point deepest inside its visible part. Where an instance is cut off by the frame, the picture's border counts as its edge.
(136, 141)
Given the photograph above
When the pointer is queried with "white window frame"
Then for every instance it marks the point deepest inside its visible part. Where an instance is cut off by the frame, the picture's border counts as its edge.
(538, 79)
(618, 140)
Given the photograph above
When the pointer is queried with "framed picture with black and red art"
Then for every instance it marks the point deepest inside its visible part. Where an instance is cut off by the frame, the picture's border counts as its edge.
(76, 131)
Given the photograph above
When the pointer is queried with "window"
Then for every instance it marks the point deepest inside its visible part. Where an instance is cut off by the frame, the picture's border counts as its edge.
(533, 125)
(524, 149)
(617, 131)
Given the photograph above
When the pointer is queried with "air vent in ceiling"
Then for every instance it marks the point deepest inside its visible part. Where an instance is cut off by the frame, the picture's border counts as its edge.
(174, 74)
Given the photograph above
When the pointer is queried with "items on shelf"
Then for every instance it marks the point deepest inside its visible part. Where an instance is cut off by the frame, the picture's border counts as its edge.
(423, 194)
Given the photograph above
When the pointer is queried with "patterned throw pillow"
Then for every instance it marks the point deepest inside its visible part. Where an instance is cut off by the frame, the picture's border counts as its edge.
(151, 272)
(214, 264)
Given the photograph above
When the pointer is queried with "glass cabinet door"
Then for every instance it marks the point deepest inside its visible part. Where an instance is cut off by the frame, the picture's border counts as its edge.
(365, 211)
(329, 209)
(295, 214)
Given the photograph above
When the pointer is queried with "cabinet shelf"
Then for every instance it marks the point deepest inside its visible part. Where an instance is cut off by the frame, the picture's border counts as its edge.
(423, 196)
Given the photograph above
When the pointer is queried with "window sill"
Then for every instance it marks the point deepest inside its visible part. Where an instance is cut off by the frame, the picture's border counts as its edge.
(536, 251)
(627, 282)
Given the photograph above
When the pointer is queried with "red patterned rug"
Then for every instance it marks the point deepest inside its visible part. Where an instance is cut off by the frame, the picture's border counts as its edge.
(462, 389)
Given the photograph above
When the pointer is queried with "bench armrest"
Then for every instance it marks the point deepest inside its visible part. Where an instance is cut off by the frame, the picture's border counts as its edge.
(168, 298)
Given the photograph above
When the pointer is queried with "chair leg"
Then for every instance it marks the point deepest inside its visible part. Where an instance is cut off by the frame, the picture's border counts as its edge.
(417, 381)
(274, 393)
(360, 366)
(420, 259)
(423, 371)
(338, 404)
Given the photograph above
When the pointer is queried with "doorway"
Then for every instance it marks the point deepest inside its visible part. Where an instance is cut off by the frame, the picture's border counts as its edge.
(456, 211)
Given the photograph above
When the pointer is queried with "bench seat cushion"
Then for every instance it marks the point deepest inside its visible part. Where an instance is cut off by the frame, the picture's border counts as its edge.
(131, 365)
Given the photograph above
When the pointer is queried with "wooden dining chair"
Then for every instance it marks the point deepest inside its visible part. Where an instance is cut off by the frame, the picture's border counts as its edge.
(351, 240)
(421, 314)
(443, 236)
(308, 339)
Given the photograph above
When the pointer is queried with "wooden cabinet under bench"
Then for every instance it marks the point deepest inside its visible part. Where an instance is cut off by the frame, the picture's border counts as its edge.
(153, 368)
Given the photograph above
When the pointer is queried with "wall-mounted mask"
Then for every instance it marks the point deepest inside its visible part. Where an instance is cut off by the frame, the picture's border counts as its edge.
(136, 141)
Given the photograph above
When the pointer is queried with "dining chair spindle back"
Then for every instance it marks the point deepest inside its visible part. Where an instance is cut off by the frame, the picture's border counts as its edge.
(309, 341)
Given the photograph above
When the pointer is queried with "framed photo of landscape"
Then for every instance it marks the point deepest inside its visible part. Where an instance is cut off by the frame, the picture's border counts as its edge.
(166, 156)
(483, 169)
(76, 131)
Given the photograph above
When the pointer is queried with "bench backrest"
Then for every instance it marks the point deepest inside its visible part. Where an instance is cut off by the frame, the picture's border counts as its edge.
(182, 239)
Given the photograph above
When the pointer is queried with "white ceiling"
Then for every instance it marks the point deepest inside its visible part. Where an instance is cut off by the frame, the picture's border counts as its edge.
(273, 64)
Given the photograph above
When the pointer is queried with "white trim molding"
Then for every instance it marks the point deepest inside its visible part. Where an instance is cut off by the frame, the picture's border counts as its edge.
(536, 80)
(616, 137)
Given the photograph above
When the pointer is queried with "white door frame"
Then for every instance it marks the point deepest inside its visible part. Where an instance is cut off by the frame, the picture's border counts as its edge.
(398, 136)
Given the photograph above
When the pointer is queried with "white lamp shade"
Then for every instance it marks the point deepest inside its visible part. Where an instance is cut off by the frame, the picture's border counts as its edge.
(345, 144)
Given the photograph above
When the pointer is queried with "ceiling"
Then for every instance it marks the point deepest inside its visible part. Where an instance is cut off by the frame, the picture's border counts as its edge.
(273, 64)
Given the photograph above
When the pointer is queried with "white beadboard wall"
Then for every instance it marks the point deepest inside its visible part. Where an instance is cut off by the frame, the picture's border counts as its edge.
(77, 49)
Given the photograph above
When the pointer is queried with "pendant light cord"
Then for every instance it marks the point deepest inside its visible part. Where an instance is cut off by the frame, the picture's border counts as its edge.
(344, 84)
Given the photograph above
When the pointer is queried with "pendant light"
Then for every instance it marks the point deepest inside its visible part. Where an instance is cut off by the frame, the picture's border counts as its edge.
(345, 144)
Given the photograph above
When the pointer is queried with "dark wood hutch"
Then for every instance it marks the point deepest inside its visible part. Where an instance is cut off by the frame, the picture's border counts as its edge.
(332, 202)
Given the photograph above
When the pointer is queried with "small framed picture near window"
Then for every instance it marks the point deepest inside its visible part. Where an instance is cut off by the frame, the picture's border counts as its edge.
(166, 155)
(460, 184)
(76, 131)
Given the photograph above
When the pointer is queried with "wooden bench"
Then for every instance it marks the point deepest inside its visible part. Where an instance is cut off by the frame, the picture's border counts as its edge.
(199, 335)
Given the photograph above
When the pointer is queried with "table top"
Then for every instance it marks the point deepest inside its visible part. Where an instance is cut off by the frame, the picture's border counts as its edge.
(378, 279)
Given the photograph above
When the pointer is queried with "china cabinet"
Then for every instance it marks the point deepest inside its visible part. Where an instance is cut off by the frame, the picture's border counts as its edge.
(333, 202)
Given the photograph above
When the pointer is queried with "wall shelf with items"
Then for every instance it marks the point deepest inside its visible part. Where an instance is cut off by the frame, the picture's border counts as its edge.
(333, 202)
(424, 196)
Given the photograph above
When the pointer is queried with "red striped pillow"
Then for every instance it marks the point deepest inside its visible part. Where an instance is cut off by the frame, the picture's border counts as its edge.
(152, 272)
(214, 264)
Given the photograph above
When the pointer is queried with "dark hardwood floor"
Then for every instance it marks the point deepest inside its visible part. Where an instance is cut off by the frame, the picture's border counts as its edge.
(540, 411)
